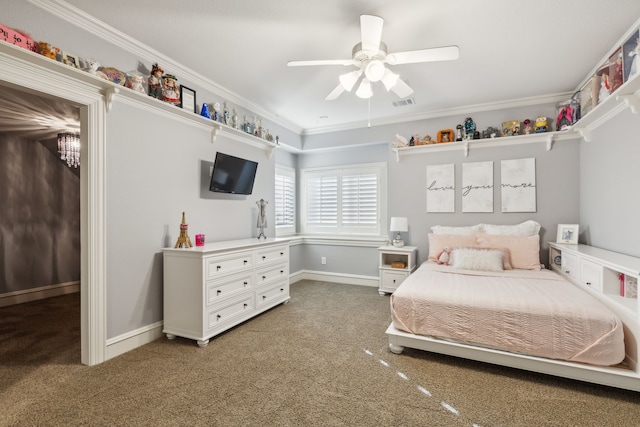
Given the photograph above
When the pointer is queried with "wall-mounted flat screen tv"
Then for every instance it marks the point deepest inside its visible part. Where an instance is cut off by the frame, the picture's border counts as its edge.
(232, 175)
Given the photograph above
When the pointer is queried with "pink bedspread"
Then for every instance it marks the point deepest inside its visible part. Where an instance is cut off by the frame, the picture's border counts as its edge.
(537, 313)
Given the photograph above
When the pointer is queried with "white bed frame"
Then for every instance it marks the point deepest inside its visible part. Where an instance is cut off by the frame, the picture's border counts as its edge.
(621, 377)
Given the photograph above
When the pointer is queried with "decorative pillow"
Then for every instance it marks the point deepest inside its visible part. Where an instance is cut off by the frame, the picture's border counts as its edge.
(477, 259)
(437, 242)
(459, 231)
(524, 251)
(527, 228)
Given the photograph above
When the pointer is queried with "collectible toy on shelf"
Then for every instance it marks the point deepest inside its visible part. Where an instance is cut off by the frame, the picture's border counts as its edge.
(155, 81)
(541, 124)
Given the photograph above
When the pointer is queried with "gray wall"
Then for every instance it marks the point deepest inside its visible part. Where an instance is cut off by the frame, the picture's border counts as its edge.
(158, 167)
(39, 217)
(609, 181)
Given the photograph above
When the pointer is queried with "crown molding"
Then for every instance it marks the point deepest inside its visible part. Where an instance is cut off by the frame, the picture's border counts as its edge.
(464, 110)
(83, 20)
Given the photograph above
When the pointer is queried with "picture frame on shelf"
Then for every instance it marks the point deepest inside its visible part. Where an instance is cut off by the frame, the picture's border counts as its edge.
(445, 135)
(188, 99)
(630, 55)
(567, 233)
(616, 69)
(70, 59)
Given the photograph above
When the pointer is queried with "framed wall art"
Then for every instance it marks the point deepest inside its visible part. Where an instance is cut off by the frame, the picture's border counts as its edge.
(567, 233)
(188, 99)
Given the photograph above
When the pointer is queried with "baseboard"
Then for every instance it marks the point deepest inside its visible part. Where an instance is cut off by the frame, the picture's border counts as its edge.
(323, 276)
(35, 294)
(134, 339)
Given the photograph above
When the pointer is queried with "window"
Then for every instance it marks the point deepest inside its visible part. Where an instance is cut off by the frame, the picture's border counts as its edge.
(346, 200)
(285, 204)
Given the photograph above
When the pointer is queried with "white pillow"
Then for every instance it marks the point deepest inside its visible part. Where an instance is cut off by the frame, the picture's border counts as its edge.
(477, 259)
(458, 231)
(527, 228)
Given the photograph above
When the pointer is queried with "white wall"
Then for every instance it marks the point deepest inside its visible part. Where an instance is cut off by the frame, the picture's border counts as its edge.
(609, 181)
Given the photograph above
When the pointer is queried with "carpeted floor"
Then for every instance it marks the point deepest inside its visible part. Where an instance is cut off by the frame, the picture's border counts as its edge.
(321, 359)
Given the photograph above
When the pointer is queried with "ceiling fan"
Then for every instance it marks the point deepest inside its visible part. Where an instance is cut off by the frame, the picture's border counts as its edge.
(370, 56)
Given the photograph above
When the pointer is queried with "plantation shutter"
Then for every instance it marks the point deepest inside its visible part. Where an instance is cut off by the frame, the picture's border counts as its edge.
(322, 199)
(360, 199)
(285, 200)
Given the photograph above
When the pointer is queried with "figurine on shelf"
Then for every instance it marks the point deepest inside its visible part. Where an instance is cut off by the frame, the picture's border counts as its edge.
(91, 66)
(155, 82)
(216, 112)
(541, 124)
(469, 128)
(459, 132)
(565, 117)
(226, 117)
(234, 119)
(204, 112)
(170, 91)
(136, 82)
(527, 127)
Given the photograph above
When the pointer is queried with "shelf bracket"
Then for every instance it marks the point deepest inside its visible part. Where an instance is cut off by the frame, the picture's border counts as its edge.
(270, 152)
(466, 149)
(631, 101)
(109, 96)
(550, 141)
(585, 134)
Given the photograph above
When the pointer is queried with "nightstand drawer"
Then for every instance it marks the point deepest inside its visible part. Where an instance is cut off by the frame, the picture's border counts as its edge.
(390, 280)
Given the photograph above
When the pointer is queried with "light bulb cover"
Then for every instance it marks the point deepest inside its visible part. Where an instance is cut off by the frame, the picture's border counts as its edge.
(374, 70)
(364, 90)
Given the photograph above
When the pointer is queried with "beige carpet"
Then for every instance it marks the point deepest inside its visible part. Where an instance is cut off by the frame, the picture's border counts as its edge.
(321, 359)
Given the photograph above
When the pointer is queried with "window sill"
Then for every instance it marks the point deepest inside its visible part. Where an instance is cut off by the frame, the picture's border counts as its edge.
(354, 241)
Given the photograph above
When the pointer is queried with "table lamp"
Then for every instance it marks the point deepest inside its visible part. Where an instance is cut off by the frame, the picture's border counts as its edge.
(398, 224)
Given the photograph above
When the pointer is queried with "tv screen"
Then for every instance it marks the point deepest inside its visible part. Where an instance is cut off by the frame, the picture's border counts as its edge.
(232, 175)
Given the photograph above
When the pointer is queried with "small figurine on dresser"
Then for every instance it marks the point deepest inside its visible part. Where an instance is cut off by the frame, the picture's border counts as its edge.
(184, 241)
(155, 81)
(170, 91)
(262, 217)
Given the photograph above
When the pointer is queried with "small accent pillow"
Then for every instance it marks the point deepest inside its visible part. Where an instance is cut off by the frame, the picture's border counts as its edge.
(459, 231)
(477, 259)
(524, 251)
(437, 242)
(527, 228)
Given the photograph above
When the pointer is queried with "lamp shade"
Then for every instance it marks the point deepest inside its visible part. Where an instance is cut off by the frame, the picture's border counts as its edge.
(399, 224)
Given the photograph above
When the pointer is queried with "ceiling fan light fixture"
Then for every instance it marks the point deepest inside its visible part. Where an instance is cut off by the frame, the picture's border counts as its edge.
(389, 79)
(349, 79)
(364, 90)
(374, 70)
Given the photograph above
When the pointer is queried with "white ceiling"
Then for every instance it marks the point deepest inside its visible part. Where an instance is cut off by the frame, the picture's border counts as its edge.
(508, 50)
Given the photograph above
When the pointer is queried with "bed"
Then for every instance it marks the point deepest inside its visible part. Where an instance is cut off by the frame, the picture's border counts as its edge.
(507, 311)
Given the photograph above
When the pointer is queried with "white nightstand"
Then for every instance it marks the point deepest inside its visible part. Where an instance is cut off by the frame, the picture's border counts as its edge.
(391, 277)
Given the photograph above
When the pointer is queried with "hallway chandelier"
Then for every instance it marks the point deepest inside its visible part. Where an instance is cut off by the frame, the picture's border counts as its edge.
(69, 148)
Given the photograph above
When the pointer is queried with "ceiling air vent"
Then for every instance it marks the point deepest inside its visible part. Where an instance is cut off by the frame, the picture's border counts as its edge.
(404, 102)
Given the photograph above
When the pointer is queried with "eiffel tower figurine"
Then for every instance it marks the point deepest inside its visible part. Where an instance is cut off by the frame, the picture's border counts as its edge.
(183, 240)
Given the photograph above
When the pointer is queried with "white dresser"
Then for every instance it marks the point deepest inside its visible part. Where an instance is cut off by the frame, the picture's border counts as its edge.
(209, 289)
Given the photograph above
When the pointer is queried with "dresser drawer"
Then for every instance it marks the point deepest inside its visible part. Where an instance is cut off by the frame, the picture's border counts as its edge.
(591, 274)
(269, 274)
(272, 294)
(227, 287)
(231, 311)
(570, 265)
(221, 265)
(271, 255)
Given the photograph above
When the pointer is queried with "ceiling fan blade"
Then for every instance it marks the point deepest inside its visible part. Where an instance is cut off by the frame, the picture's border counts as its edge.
(371, 32)
(320, 62)
(402, 89)
(335, 93)
(446, 53)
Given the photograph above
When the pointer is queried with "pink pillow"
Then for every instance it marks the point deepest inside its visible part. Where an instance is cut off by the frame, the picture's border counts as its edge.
(524, 251)
(437, 242)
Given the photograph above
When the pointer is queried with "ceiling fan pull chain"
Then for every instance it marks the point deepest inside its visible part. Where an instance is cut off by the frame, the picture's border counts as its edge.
(369, 113)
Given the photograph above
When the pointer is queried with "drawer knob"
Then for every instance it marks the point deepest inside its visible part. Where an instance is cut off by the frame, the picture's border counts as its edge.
(218, 267)
(281, 271)
(245, 283)
(264, 257)
(264, 277)
(245, 305)
(245, 261)
(281, 253)
(219, 292)
(588, 283)
(218, 317)
(264, 297)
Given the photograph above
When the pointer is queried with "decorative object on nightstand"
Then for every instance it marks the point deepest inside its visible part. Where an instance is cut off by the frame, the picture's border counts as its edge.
(398, 225)
(395, 265)
(183, 239)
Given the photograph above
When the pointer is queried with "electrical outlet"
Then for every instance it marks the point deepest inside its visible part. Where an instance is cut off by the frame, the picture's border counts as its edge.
(323, 260)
